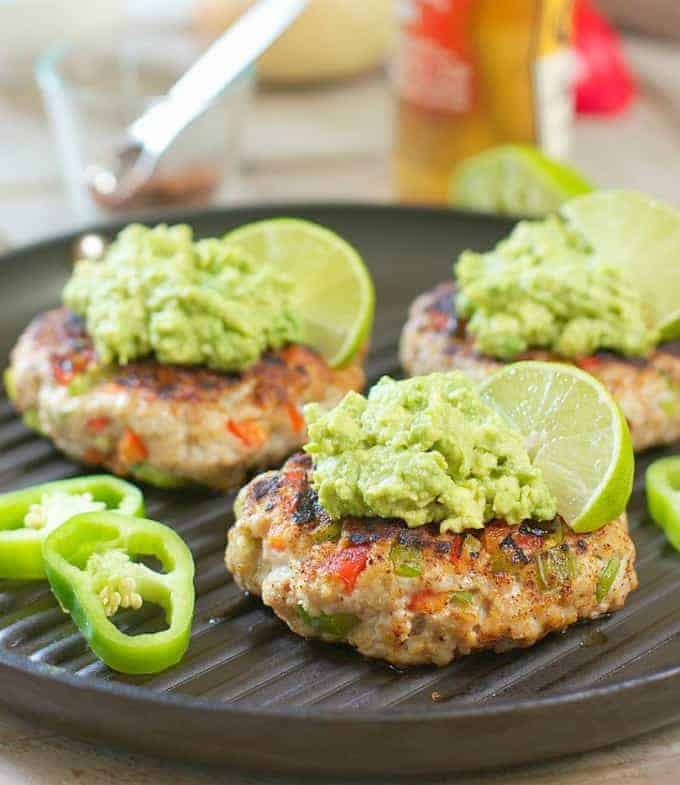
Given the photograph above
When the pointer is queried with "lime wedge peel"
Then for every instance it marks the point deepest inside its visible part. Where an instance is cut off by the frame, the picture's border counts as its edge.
(333, 289)
(642, 236)
(574, 432)
(515, 179)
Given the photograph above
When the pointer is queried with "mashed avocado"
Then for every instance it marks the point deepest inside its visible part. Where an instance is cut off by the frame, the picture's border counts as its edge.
(188, 303)
(543, 287)
(426, 449)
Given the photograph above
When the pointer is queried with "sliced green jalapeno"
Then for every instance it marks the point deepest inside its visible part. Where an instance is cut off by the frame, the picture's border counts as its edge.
(28, 516)
(662, 484)
(90, 564)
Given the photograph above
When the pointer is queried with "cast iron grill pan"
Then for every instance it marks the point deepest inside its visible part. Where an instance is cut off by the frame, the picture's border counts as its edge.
(251, 694)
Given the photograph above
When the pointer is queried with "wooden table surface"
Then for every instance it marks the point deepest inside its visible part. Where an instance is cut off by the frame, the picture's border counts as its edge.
(333, 144)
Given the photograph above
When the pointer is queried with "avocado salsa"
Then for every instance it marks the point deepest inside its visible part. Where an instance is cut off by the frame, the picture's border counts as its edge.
(426, 450)
(544, 287)
(158, 291)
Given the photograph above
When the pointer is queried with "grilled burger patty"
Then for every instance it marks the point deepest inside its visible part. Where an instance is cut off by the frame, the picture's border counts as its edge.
(647, 389)
(415, 596)
(146, 418)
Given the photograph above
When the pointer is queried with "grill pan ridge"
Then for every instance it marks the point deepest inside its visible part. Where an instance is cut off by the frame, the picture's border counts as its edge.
(250, 693)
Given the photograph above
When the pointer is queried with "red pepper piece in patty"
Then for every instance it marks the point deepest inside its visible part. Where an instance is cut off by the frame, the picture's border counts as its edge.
(297, 422)
(131, 448)
(456, 547)
(249, 432)
(589, 364)
(64, 368)
(348, 564)
(98, 424)
(428, 601)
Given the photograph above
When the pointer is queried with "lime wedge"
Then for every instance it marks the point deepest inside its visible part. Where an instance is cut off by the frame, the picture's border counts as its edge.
(574, 432)
(333, 289)
(643, 237)
(515, 179)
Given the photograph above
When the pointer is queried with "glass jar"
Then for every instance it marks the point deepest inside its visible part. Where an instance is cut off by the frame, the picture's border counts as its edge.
(93, 92)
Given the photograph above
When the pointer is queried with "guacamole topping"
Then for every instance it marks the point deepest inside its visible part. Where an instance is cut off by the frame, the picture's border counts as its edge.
(159, 292)
(543, 287)
(426, 450)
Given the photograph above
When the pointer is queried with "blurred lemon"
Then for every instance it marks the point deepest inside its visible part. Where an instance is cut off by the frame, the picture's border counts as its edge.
(332, 39)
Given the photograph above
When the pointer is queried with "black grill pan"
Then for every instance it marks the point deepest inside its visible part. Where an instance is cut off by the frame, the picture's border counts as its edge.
(251, 694)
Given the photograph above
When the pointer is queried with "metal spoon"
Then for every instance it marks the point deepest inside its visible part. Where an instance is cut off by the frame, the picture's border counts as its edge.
(149, 137)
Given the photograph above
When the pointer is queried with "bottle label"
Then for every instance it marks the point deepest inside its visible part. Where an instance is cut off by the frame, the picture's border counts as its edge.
(431, 76)
(434, 69)
(553, 102)
(553, 73)
(453, 56)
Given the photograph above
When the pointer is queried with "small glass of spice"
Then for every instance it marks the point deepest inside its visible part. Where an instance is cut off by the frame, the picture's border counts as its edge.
(93, 92)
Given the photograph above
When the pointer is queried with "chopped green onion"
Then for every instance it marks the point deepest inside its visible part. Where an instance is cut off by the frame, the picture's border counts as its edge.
(669, 407)
(31, 420)
(147, 473)
(471, 545)
(337, 625)
(85, 381)
(79, 385)
(671, 384)
(554, 568)
(407, 560)
(101, 443)
(607, 578)
(462, 598)
(10, 386)
(328, 532)
(501, 563)
(556, 536)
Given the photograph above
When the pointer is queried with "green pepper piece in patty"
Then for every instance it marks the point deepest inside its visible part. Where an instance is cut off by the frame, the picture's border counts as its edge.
(160, 479)
(407, 560)
(336, 625)
(607, 578)
(554, 568)
(28, 516)
(327, 532)
(90, 565)
(461, 598)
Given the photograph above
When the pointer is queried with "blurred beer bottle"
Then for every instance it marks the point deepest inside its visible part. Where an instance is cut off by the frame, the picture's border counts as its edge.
(471, 74)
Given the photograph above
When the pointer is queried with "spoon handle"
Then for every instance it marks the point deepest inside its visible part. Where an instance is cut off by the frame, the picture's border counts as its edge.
(231, 54)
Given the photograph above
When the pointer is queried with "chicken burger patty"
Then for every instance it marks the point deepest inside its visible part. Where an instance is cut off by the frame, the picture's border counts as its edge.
(167, 424)
(416, 596)
(647, 389)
